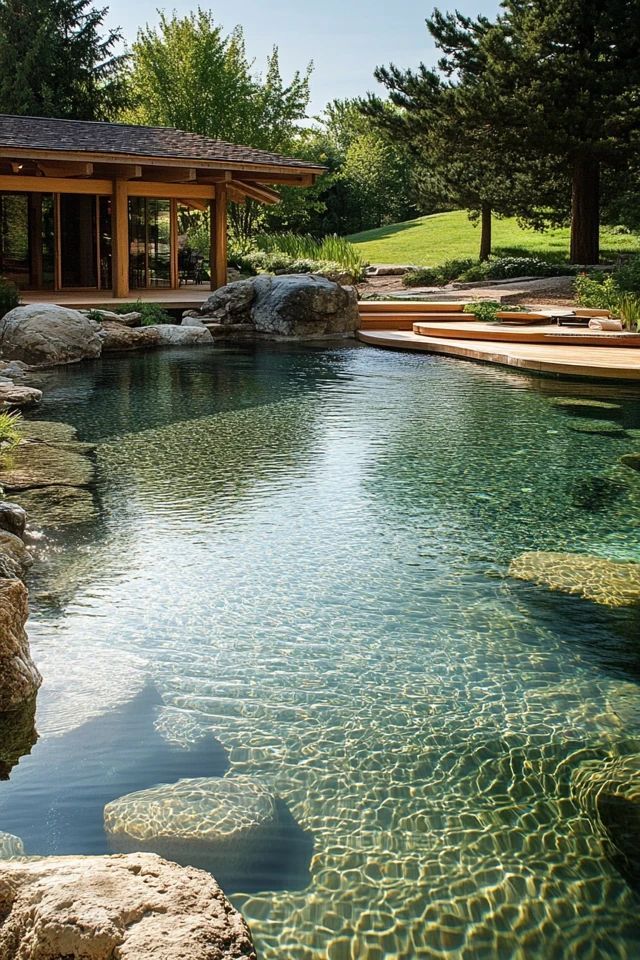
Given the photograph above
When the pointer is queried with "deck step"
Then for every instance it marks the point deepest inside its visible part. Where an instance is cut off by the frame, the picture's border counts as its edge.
(409, 306)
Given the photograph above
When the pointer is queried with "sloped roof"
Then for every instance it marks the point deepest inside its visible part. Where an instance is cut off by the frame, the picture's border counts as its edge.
(113, 139)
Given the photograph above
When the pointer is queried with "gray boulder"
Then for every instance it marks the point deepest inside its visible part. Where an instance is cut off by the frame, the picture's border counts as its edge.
(14, 395)
(131, 319)
(134, 908)
(44, 334)
(172, 335)
(298, 306)
(15, 559)
(19, 676)
(13, 518)
(116, 336)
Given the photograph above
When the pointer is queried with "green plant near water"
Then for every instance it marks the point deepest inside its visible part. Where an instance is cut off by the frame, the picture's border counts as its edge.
(9, 296)
(486, 310)
(598, 290)
(10, 435)
(629, 310)
(152, 313)
(282, 263)
(330, 249)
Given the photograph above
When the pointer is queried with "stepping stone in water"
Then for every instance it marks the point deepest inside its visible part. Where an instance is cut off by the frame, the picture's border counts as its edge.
(602, 428)
(603, 581)
(587, 408)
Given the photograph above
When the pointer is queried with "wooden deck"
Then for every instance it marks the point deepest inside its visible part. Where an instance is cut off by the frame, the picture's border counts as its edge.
(573, 360)
(544, 333)
(189, 297)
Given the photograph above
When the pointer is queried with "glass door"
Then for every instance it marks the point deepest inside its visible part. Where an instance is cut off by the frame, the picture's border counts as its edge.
(78, 240)
(149, 243)
(27, 239)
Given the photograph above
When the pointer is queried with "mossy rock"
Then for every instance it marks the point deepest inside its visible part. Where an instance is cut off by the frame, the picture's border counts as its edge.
(47, 431)
(595, 494)
(35, 464)
(602, 581)
(58, 506)
(584, 407)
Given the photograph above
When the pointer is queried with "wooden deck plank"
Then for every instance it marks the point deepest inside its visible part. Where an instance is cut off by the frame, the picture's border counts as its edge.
(574, 361)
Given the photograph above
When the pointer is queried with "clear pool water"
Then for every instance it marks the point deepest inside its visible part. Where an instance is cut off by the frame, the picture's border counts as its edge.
(298, 574)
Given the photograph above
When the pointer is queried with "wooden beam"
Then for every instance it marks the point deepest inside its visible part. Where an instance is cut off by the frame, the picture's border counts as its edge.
(120, 239)
(236, 196)
(293, 180)
(78, 168)
(55, 185)
(256, 191)
(168, 191)
(195, 204)
(119, 171)
(168, 175)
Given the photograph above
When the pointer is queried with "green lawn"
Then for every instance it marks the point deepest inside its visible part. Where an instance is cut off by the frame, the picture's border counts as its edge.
(431, 240)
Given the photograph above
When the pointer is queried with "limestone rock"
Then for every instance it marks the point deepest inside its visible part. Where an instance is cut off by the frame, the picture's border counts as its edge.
(631, 460)
(116, 336)
(47, 431)
(44, 334)
(134, 908)
(608, 582)
(18, 396)
(192, 320)
(13, 518)
(585, 406)
(58, 506)
(183, 336)
(217, 823)
(15, 559)
(603, 428)
(10, 846)
(35, 464)
(609, 793)
(19, 676)
(14, 369)
(300, 306)
(17, 736)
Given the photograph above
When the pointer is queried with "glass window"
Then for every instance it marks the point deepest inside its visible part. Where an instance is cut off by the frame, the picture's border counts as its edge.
(149, 242)
(78, 240)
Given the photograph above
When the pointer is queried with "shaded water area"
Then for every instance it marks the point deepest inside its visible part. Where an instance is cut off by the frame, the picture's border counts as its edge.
(298, 574)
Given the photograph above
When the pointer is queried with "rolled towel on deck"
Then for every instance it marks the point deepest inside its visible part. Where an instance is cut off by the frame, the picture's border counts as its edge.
(605, 323)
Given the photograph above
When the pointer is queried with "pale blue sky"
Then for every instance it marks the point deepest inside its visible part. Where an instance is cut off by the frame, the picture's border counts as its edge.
(346, 39)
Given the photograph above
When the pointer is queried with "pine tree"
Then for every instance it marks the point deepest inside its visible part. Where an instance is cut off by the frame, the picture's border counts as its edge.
(56, 61)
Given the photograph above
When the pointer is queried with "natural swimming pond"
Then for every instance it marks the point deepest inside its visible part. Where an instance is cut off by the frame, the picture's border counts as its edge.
(298, 573)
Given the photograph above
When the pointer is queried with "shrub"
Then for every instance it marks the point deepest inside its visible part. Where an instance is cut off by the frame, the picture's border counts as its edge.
(9, 296)
(599, 290)
(152, 313)
(330, 249)
(629, 310)
(9, 430)
(259, 261)
(507, 268)
(436, 276)
(486, 310)
(628, 275)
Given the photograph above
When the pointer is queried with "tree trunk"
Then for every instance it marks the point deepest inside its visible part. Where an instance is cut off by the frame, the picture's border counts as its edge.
(485, 235)
(585, 210)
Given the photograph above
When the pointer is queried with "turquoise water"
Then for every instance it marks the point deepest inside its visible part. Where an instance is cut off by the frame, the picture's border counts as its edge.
(298, 574)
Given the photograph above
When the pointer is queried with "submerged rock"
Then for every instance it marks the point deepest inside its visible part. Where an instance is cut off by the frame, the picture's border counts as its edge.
(580, 406)
(35, 464)
(56, 506)
(609, 793)
(300, 306)
(183, 336)
(19, 676)
(15, 559)
(136, 907)
(216, 822)
(10, 846)
(13, 518)
(631, 460)
(593, 493)
(47, 431)
(608, 582)
(604, 428)
(17, 736)
(45, 334)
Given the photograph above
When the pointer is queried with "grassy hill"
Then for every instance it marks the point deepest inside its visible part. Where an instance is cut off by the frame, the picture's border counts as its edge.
(431, 240)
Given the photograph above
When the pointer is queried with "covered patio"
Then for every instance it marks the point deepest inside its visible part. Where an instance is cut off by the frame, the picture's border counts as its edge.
(90, 212)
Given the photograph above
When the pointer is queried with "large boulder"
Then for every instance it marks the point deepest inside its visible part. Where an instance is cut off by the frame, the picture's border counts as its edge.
(608, 582)
(13, 518)
(134, 908)
(18, 396)
(44, 334)
(172, 335)
(17, 736)
(19, 676)
(221, 824)
(117, 336)
(300, 306)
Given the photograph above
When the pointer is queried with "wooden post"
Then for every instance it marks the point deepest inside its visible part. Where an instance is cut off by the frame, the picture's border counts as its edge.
(120, 238)
(219, 238)
(174, 274)
(35, 241)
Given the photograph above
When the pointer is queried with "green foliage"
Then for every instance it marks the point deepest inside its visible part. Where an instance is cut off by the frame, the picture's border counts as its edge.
(303, 246)
(505, 268)
(57, 60)
(152, 313)
(629, 310)
(599, 290)
(259, 261)
(486, 310)
(436, 276)
(628, 275)
(9, 296)
(10, 435)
